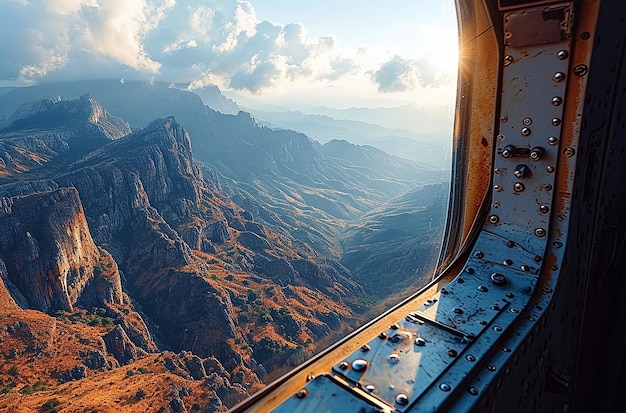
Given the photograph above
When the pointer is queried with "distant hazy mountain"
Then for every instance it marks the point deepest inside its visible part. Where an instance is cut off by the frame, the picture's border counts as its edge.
(420, 147)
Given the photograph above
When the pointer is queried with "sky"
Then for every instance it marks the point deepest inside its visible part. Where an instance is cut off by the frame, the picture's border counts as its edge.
(340, 53)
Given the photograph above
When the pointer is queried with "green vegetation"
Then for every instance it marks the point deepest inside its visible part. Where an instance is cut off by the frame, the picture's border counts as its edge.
(140, 394)
(6, 387)
(30, 389)
(95, 317)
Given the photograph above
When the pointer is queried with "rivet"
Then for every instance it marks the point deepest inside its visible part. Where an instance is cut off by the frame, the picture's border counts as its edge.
(359, 365)
(370, 388)
(497, 329)
(479, 254)
(518, 187)
(491, 368)
(402, 399)
(524, 268)
(557, 100)
(473, 391)
(510, 295)
(569, 152)
(552, 141)
(496, 204)
(365, 348)
(514, 310)
(310, 377)
(302, 393)
(483, 289)
(554, 267)
(562, 54)
(580, 70)
(510, 244)
(452, 353)
(497, 188)
(420, 342)
(550, 169)
(547, 187)
(469, 270)
(344, 365)
(558, 76)
(500, 137)
(508, 59)
(540, 232)
(482, 322)
(527, 121)
(537, 258)
(544, 209)
(521, 171)
(394, 326)
(556, 121)
(445, 387)
(394, 358)
(506, 349)
(530, 318)
(498, 279)
(383, 336)
(470, 358)
(504, 119)
(458, 310)
(497, 171)
(525, 131)
(460, 280)
(507, 262)
(585, 35)
(557, 244)
(546, 288)
(494, 219)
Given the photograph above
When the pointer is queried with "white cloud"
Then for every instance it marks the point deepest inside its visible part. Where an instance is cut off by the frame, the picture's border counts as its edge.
(401, 75)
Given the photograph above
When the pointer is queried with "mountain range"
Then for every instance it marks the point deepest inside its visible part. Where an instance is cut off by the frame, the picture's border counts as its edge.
(143, 231)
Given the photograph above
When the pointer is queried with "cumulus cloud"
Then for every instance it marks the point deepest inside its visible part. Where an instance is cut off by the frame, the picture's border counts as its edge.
(193, 42)
(399, 74)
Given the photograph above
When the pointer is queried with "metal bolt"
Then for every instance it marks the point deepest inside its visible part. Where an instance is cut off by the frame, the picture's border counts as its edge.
(550, 169)
(527, 121)
(500, 137)
(497, 329)
(585, 35)
(302, 393)
(525, 131)
(557, 244)
(518, 187)
(420, 342)
(479, 254)
(507, 262)
(394, 358)
(580, 70)
(497, 188)
(508, 59)
(554, 267)
(497, 171)
(370, 388)
(482, 289)
(569, 152)
(557, 100)
(445, 387)
(402, 399)
(495, 307)
(508, 151)
(540, 232)
(365, 348)
(473, 391)
(558, 76)
(482, 322)
(470, 358)
(494, 219)
(510, 295)
(383, 336)
(452, 353)
(562, 54)
(556, 121)
(504, 119)
(491, 368)
(469, 270)
(544, 209)
(496, 204)
(521, 171)
(525, 268)
(359, 365)
(514, 310)
(547, 187)
(537, 258)
(552, 141)
(498, 279)
(510, 244)
(537, 153)
(344, 365)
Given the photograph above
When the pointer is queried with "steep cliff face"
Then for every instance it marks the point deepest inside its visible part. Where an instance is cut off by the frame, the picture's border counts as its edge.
(49, 254)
